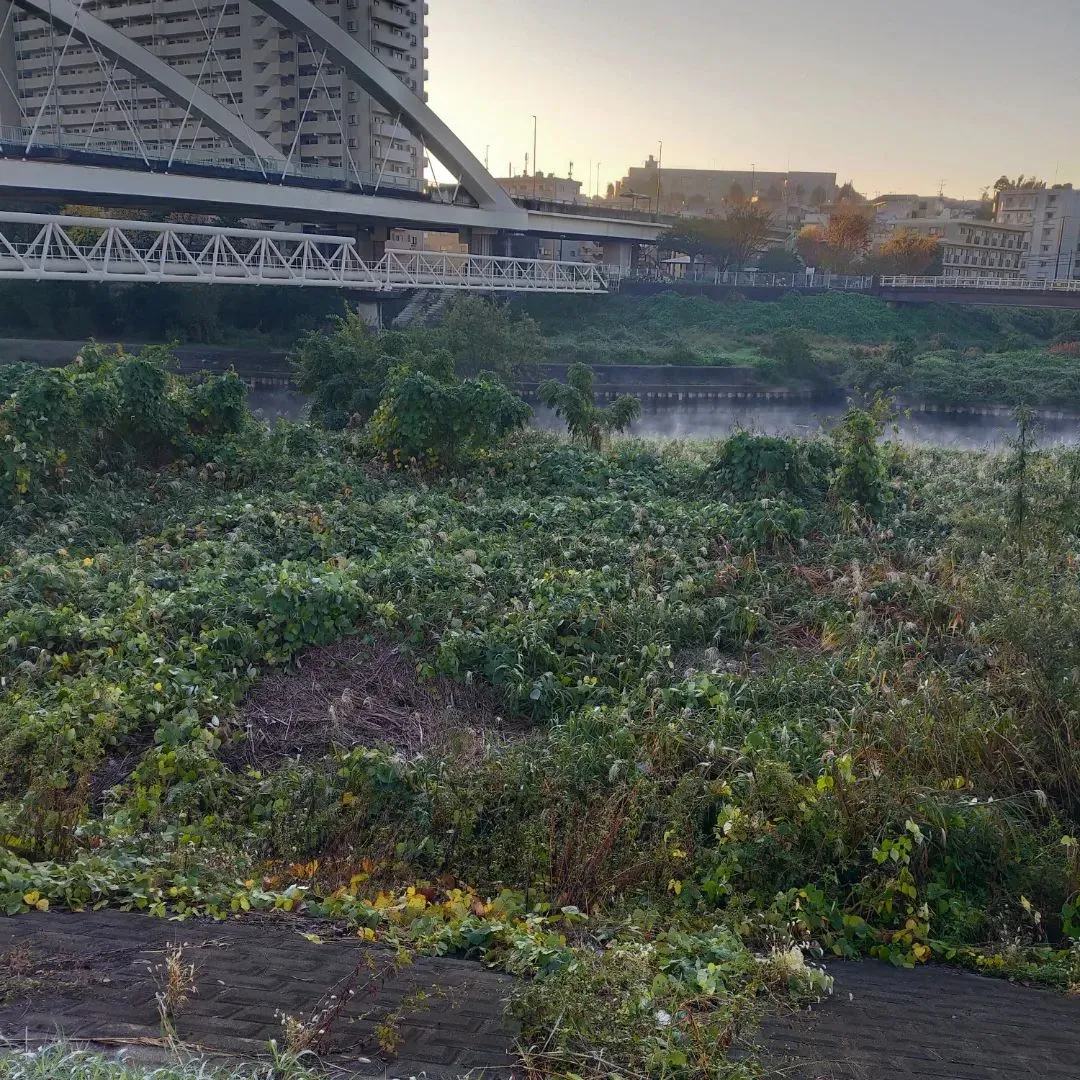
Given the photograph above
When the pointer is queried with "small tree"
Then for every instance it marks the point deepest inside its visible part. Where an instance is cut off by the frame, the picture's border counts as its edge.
(344, 370)
(792, 350)
(847, 237)
(574, 402)
(727, 242)
(483, 336)
(779, 260)
(810, 244)
(906, 251)
(861, 476)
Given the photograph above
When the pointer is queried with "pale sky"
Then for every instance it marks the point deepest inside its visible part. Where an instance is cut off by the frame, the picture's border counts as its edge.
(897, 95)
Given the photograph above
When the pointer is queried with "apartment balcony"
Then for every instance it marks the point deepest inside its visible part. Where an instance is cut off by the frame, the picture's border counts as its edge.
(390, 12)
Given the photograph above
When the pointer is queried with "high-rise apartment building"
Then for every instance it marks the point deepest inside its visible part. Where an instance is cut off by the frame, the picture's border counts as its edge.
(270, 76)
(1052, 216)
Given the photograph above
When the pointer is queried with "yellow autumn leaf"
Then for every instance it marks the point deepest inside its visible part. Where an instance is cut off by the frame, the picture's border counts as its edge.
(88, 561)
(348, 799)
(31, 897)
(158, 687)
(313, 938)
(42, 904)
(922, 952)
(366, 933)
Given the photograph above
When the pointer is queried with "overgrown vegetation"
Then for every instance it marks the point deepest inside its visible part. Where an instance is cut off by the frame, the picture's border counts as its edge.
(834, 343)
(767, 700)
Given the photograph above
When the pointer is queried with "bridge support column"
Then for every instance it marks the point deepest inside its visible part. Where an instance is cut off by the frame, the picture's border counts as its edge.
(371, 242)
(619, 253)
(486, 241)
(524, 247)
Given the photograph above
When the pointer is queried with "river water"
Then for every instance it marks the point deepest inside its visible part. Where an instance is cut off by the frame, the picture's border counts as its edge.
(718, 418)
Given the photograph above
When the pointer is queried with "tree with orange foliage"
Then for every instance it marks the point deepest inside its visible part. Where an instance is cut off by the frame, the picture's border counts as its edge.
(847, 238)
(906, 251)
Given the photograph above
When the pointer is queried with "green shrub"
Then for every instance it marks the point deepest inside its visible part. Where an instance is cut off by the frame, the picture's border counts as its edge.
(792, 351)
(344, 371)
(106, 408)
(861, 476)
(424, 418)
(749, 465)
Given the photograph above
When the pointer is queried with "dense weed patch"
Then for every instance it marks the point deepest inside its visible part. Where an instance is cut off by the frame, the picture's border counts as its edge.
(772, 699)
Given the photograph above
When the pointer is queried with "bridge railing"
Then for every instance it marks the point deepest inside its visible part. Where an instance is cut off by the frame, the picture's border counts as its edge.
(746, 279)
(975, 281)
(58, 247)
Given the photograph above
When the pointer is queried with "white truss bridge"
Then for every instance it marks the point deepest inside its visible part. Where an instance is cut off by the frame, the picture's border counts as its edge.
(64, 248)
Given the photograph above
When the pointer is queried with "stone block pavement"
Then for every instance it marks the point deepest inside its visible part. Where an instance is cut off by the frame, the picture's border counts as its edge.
(932, 1023)
(93, 976)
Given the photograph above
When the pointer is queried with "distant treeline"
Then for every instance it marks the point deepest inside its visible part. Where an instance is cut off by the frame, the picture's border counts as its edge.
(149, 312)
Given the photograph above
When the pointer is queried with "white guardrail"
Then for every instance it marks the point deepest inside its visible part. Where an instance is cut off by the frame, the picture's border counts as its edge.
(902, 281)
(56, 247)
(749, 279)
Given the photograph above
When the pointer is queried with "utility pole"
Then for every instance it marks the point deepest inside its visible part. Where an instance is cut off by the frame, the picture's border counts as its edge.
(534, 157)
(659, 166)
(487, 167)
(598, 164)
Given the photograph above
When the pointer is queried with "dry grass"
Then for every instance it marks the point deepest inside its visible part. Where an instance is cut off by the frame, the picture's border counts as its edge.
(356, 694)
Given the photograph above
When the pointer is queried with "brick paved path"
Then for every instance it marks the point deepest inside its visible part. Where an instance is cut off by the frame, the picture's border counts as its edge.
(928, 1024)
(91, 976)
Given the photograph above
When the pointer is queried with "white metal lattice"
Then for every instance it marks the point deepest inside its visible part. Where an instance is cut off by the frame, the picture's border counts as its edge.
(56, 247)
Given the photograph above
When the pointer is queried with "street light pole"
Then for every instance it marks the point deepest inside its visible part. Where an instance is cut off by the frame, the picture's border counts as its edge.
(659, 166)
(598, 164)
(534, 157)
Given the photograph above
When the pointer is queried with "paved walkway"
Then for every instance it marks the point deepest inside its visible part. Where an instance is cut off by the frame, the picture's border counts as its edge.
(932, 1023)
(94, 976)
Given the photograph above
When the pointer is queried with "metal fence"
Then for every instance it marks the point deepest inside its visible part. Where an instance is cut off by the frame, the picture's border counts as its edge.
(746, 279)
(906, 281)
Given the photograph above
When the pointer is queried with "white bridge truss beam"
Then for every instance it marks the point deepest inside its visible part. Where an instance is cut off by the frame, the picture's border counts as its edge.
(43, 247)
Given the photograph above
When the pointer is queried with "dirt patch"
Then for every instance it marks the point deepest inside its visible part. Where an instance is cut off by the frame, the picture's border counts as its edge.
(25, 972)
(357, 694)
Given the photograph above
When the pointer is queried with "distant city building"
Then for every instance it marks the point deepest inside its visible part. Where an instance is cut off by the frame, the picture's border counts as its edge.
(895, 211)
(266, 73)
(706, 190)
(1052, 215)
(544, 188)
(977, 248)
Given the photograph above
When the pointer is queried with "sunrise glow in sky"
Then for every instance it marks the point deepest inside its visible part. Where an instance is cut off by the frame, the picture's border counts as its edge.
(904, 95)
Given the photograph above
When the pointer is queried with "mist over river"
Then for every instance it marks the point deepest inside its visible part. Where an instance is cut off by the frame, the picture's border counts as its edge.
(718, 418)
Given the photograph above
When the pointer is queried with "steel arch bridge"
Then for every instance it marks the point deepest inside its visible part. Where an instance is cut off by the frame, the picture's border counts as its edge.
(260, 180)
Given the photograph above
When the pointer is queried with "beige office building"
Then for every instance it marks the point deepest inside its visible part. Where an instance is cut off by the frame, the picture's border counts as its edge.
(267, 74)
(977, 248)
